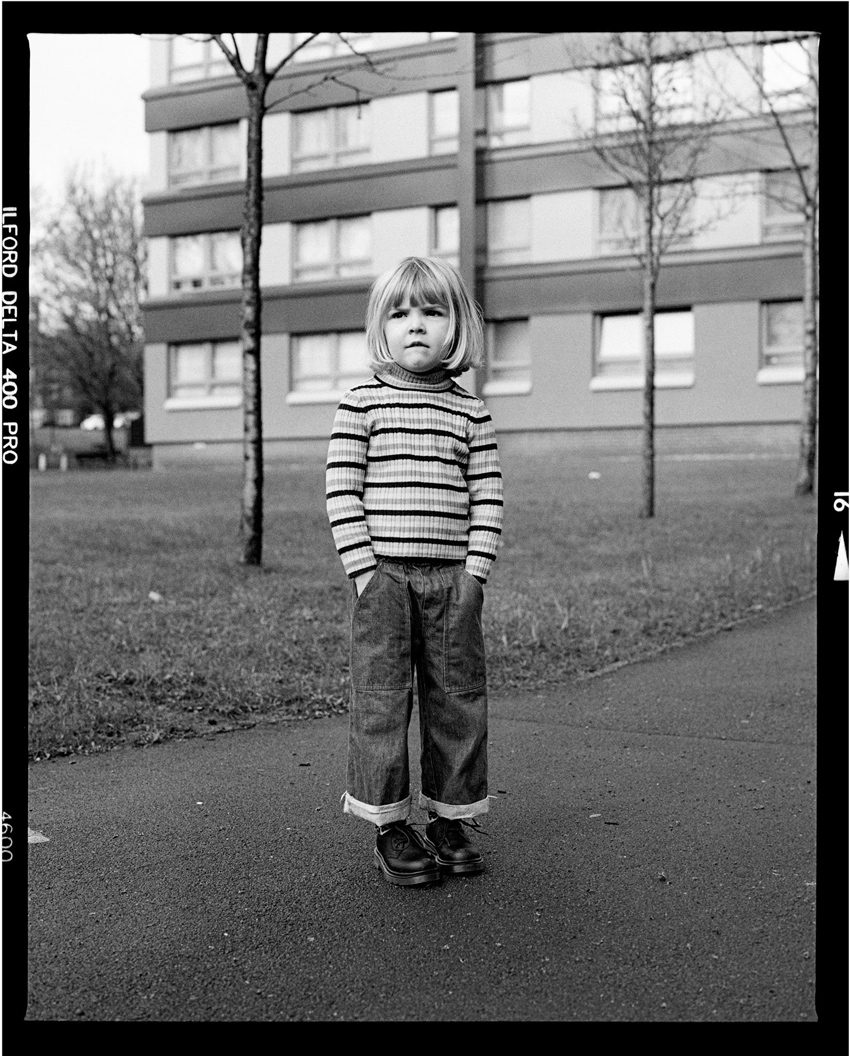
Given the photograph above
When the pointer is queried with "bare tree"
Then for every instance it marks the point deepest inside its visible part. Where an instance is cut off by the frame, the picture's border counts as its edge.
(89, 268)
(256, 79)
(651, 133)
(781, 70)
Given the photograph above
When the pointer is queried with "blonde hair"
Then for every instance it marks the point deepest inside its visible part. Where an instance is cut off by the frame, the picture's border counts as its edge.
(426, 280)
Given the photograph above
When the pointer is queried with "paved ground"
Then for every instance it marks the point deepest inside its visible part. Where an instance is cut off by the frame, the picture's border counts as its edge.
(651, 857)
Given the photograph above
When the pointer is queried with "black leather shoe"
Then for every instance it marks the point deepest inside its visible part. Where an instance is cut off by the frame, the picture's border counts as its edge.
(452, 848)
(403, 857)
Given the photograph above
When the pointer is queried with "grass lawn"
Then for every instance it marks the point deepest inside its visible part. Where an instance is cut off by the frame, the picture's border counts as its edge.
(144, 626)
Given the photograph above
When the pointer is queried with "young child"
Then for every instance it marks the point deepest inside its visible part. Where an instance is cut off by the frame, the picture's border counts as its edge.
(414, 499)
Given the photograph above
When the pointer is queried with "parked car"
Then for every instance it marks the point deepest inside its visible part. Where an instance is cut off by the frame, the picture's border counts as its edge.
(120, 421)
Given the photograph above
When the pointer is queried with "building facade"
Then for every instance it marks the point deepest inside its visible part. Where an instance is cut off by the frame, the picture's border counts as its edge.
(476, 147)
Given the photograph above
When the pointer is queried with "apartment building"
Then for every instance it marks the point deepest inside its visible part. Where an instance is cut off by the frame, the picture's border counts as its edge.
(475, 147)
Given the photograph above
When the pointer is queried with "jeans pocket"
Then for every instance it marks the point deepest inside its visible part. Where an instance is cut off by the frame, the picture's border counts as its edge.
(380, 634)
(476, 581)
(463, 646)
(368, 587)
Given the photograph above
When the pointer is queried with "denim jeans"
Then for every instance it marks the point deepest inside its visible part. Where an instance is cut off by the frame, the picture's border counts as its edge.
(413, 615)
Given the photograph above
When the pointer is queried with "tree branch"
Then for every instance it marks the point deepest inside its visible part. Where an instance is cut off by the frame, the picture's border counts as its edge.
(235, 62)
(326, 79)
(235, 44)
(756, 77)
(288, 58)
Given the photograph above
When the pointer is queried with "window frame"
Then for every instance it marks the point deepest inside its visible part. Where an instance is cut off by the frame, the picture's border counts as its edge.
(501, 135)
(451, 255)
(678, 378)
(680, 113)
(204, 175)
(787, 226)
(212, 58)
(622, 119)
(336, 390)
(207, 272)
(434, 139)
(779, 373)
(498, 256)
(335, 155)
(208, 400)
(783, 99)
(329, 49)
(609, 246)
(336, 262)
(326, 50)
(492, 384)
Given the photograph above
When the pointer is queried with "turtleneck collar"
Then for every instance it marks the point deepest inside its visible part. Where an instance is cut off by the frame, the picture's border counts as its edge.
(437, 379)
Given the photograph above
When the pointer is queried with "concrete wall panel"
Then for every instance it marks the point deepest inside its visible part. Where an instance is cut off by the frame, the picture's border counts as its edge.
(158, 256)
(313, 196)
(398, 233)
(400, 125)
(157, 162)
(561, 105)
(276, 255)
(728, 211)
(276, 145)
(562, 225)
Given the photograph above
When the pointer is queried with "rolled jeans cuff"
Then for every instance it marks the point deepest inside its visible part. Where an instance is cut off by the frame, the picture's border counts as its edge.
(384, 814)
(455, 810)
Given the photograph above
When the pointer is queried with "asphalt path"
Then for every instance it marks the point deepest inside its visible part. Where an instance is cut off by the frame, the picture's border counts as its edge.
(650, 857)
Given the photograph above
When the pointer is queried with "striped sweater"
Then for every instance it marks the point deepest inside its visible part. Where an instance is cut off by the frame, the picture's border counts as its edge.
(413, 471)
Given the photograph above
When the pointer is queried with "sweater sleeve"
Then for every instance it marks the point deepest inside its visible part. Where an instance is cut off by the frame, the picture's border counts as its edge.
(345, 474)
(484, 481)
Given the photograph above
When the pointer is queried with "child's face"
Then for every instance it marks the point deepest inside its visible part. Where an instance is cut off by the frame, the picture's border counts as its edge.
(416, 335)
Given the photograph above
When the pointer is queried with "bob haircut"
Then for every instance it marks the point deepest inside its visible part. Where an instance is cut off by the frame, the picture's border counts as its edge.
(426, 280)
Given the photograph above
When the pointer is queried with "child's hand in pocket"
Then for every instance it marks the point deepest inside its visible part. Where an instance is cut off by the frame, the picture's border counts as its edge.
(361, 581)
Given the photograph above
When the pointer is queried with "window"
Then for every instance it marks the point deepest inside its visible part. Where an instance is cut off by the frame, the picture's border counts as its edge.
(278, 47)
(324, 365)
(509, 231)
(205, 155)
(508, 113)
(786, 76)
(329, 45)
(324, 139)
(205, 373)
(508, 358)
(782, 337)
(445, 233)
(205, 261)
(619, 350)
(443, 121)
(193, 60)
(619, 218)
(612, 112)
(621, 93)
(673, 83)
(783, 213)
(330, 249)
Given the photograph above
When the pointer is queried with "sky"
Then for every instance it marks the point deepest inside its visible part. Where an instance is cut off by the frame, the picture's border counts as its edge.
(86, 106)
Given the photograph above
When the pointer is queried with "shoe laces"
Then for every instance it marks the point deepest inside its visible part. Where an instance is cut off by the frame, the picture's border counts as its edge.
(410, 830)
(470, 823)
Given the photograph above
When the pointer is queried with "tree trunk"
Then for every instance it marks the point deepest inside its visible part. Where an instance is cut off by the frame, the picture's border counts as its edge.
(108, 432)
(651, 266)
(251, 524)
(648, 319)
(811, 260)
